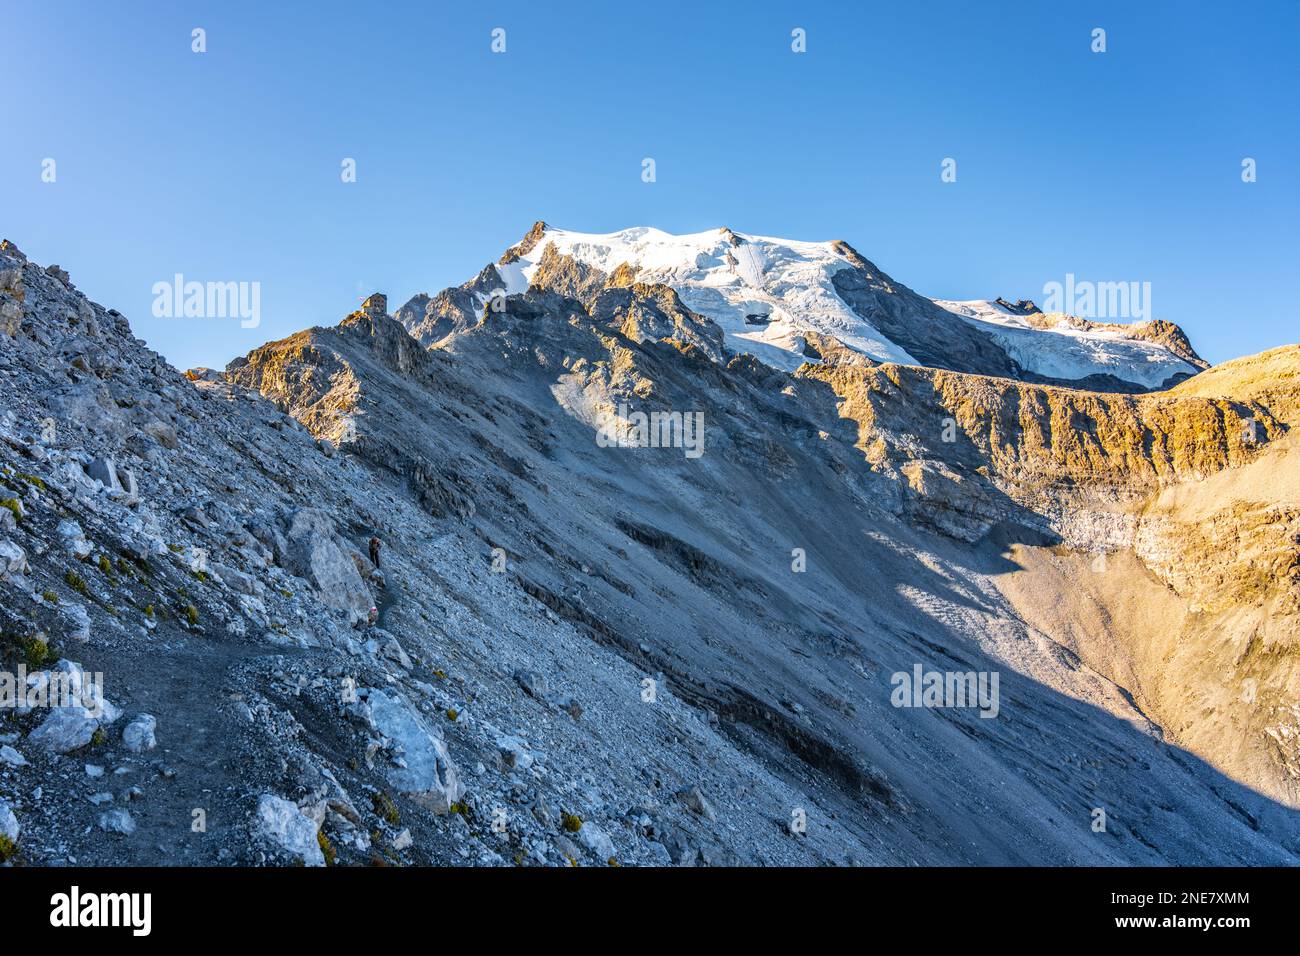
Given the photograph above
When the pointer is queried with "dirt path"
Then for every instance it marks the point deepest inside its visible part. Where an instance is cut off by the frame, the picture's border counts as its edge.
(184, 680)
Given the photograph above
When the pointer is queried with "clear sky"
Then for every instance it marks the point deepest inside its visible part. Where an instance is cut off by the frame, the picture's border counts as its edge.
(226, 165)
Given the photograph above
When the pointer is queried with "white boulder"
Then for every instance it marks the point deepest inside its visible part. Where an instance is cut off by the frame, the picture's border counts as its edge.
(13, 559)
(78, 708)
(138, 735)
(8, 822)
(74, 539)
(289, 828)
(117, 821)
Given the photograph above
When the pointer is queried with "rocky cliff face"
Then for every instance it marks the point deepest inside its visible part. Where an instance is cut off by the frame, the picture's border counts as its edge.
(590, 647)
(1183, 501)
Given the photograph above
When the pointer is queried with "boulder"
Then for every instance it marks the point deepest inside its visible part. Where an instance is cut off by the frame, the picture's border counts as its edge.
(74, 539)
(8, 822)
(129, 486)
(284, 825)
(196, 518)
(11, 315)
(12, 295)
(330, 797)
(117, 821)
(66, 729)
(314, 552)
(104, 470)
(533, 684)
(514, 753)
(394, 651)
(13, 559)
(596, 840)
(89, 693)
(138, 735)
(266, 532)
(79, 629)
(162, 433)
(429, 777)
(78, 709)
(694, 800)
(235, 579)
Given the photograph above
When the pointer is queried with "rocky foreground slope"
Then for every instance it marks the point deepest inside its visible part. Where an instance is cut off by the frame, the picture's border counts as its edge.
(587, 652)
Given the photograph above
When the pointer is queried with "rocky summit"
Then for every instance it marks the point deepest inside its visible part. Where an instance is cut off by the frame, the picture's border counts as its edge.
(639, 549)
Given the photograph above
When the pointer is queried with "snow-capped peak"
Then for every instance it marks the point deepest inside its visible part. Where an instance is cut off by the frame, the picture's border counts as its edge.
(769, 295)
(763, 292)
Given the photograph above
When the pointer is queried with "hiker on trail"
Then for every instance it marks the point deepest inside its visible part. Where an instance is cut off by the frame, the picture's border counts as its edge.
(373, 617)
(374, 551)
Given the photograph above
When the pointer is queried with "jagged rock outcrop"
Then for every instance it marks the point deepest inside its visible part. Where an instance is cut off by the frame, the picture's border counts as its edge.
(567, 276)
(1042, 445)
(525, 245)
(655, 313)
(430, 319)
(932, 335)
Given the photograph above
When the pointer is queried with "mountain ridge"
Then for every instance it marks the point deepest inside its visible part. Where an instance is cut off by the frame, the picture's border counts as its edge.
(533, 581)
(768, 295)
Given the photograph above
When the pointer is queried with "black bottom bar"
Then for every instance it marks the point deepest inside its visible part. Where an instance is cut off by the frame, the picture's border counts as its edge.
(334, 905)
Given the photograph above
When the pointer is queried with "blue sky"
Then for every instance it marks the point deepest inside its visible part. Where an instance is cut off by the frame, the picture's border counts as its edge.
(225, 166)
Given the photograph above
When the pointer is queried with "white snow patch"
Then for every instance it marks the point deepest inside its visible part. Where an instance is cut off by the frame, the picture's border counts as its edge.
(1066, 352)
